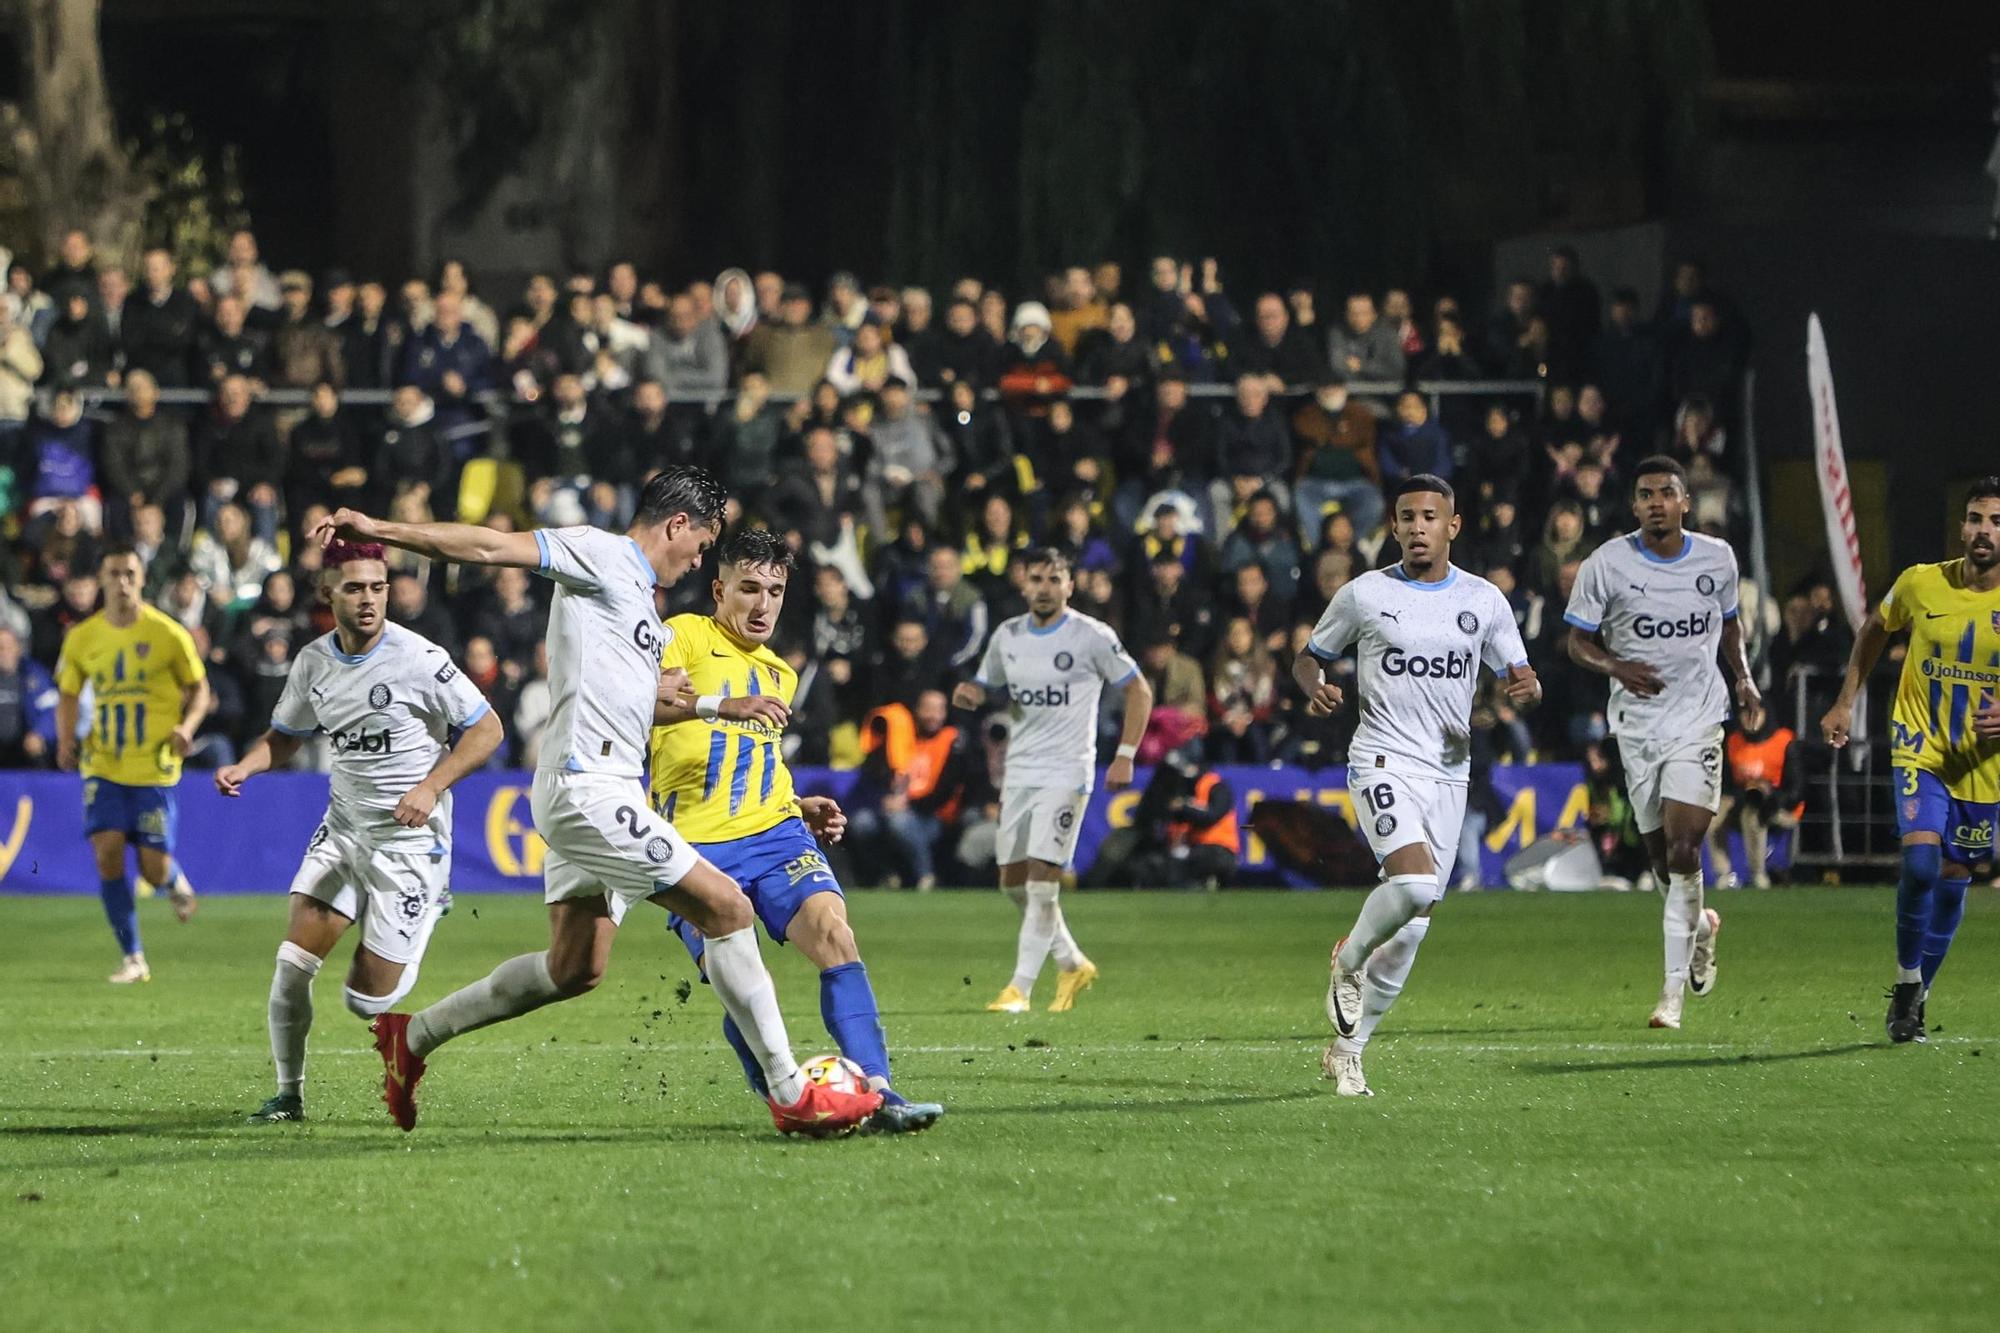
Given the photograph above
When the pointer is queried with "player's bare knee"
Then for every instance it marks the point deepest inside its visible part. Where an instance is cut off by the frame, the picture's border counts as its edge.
(575, 976)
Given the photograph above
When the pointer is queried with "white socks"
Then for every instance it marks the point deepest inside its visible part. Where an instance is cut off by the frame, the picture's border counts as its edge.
(1679, 923)
(737, 973)
(1391, 905)
(1068, 957)
(518, 986)
(291, 1014)
(1041, 919)
(1388, 968)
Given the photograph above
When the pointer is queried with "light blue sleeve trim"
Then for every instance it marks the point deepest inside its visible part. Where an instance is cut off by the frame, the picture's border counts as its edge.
(1127, 678)
(542, 546)
(1321, 653)
(284, 730)
(477, 713)
(1580, 623)
(1515, 666)
(1731, 613)
(986, 684)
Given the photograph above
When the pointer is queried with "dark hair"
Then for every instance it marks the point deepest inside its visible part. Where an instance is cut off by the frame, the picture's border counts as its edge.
(686, 490)
(1659, 465)
(114, 550)
(1046, 555)
(1986, 488)
(757, 546)
(1423, 483)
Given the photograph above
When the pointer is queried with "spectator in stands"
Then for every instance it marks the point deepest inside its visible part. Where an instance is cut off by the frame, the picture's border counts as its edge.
(910, 667)
(1278, 351)
(365, 337)
(303, 350)
(410, 606)
(1450, 359)
(1180, 697)
(1243, 688)
(59, 455)
(238, 456)
(979, 440)
(791, 351)
(1627, 365)
(244, 276)
(994, 539)
(231, 561)
(1254, 599)
(688, 354)
(846, 308)
(660, 433)
(1079, 310)
(1264, 538)
(20, 368)
(868, 363)
(1033, 366)
(27, 707)
(953, 614)
(1569, 304)
(1705, 362)
(1365, 348)
(325, 461)
(1337, 465)
(512, 620)
(1563, 543)
(230, 347)
(75, 271)
(840, 638)
(912, 455)
(1763, 788)
(1174, 607)
(78, 350)
(160, 325)
(1414, 444)
(1253, 452)
(914, 801)
(146, 457)
(965, 350)
(451, 364)
(1507, 331)
(410, 452)
(1117, 351)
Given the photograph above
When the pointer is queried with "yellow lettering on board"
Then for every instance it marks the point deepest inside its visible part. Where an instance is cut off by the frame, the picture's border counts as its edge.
(24, 815)
(1519, 823)
(1118, 810)
(502, 828)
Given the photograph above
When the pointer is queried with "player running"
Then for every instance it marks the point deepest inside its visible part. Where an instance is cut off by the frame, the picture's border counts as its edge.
(719, 776)
(1650, 610)
(150, 692)
(1944, 743)
(1422, 630)
(607, 849)
(1054, 663)
(388, 698)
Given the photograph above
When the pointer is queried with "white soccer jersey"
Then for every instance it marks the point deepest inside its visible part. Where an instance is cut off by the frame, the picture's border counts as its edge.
(1420, 646)
(388, 713)
(604, 643)
(1667, 614)
(1053, 677)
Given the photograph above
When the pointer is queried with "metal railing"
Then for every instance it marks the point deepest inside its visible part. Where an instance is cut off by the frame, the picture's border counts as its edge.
(1850, 816)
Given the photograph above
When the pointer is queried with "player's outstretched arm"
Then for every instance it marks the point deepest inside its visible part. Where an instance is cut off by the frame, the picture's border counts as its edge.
(461, 543)
(476, 745)
(1523, 688)
(274, 749)
(1138, 711)
(1322, 695)
(1749, 699)
(66, 710)
(1868, 647)
(1588, 651)
(196, 700)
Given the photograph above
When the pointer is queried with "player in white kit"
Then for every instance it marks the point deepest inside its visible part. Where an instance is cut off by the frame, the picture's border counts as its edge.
(1650, 610)
(388, 699)
(1054, 664)
(1421, 631)
(607, 849)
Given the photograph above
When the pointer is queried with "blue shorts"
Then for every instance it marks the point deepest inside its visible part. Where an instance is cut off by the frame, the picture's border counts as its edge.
(1924, 806)
(147, 816)
(779, 869)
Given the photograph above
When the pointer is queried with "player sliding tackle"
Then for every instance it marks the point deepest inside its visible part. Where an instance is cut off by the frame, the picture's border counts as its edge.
(1422, 629)
(1945, 743)
(382, 855)
(719, 776)
(1649, 610)
(1054, 663)
(607, 849)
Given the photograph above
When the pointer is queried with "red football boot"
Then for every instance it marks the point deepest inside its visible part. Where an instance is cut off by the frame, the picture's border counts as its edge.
(825, 1113)
(401, 1069)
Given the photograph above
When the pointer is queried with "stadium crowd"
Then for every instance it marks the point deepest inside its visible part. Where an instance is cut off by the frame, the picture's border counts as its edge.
(1212, 463)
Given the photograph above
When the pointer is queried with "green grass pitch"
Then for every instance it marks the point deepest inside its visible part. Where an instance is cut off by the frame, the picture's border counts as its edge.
(1164, 1157)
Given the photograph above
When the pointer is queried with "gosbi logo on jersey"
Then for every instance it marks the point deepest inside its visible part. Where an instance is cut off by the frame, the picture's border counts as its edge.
(1690, 626)
(1443, 666)
(647, 639)
(1043, 696)
(361, 742)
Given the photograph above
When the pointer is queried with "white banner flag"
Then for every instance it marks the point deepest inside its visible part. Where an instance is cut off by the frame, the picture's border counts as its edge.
(1830, 463)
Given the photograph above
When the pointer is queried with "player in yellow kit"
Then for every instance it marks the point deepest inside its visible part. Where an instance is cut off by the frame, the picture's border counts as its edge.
(719, 777)
(1944, 742)
(149, 693)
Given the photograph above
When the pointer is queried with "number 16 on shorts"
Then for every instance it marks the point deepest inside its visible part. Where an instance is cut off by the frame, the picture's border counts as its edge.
(1395, 810)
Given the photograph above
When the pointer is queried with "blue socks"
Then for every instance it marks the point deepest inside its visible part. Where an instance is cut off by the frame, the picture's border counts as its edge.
(1922, 863)
(847, 1006)
(1947, 909)
(121, 909)
(751, 1069)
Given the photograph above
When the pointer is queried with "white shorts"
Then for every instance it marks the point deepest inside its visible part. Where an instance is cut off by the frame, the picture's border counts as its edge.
(1687, 769)
(604, 839)
(1395, 810)
(1039, 824)
(392, 893)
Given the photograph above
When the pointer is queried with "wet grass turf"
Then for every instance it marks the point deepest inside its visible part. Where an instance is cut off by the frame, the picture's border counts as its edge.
(1165, 1156)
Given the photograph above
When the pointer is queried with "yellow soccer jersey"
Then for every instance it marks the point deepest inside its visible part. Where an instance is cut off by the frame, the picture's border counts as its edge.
(136, 675)
(716, 781)
(1953, 666)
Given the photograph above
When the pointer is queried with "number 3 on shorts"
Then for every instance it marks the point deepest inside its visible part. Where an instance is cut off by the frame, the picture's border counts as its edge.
(1909, 782)
(1379, 797)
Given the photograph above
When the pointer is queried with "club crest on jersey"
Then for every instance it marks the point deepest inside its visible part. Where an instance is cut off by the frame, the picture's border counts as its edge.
(378, 696)
(1996, 627)
(1468, 622)
(1704, 584)
(657, 851)
(145, 650)
(1064, 661)
(805, 866)
(1384, 825)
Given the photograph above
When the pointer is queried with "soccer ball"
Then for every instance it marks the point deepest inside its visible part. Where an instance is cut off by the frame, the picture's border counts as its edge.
(836, 1072)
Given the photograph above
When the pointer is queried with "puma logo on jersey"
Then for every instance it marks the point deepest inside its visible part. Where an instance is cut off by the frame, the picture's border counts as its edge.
(1393, 615)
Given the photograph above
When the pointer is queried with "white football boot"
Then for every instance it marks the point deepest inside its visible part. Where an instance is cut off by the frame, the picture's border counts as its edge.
(1343, 996)
(1345, 1072)
(1667, 1014)
(1701, 968)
